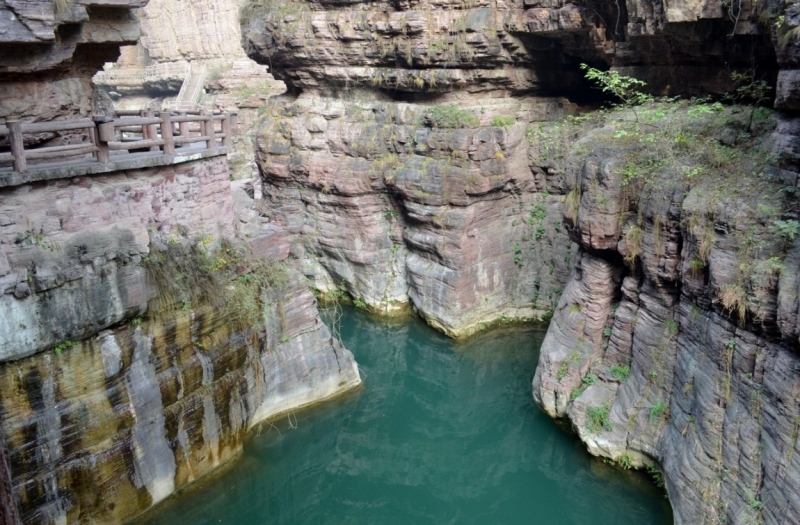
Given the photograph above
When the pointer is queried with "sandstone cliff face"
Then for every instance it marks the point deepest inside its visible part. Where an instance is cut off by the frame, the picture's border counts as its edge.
(462, 204)
(71, 250)
(105, 429)
(182, 36)
(42, 54)
(674, 340)
(452, 221)
(110, 401)
(191, 30)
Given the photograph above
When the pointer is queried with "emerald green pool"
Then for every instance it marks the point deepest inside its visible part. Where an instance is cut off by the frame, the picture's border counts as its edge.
(442, 433)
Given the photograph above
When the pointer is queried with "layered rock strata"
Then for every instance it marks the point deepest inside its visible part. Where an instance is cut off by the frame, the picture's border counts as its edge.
(666, 345)
(111, 426)
(180, 39)
(9, 515)
(522, 47)
(71, 250)
(107, 404)
(675, 340)
(48, 56)
(360, 143)
(452, 221)
(678, 329)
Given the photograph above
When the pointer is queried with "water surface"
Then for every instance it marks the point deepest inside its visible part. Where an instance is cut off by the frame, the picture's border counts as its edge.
(442, 433)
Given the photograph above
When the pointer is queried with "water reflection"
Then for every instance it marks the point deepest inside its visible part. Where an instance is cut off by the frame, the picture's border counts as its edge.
(442, 433)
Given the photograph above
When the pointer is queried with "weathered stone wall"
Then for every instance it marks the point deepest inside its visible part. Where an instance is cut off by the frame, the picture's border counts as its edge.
(710, 398)
(47, 58)
(173, 29)
(451, 221)
(103, 430)
(522, 47)
(109, 406)
(9, 515)
(675, 339)
(444, 218)
(177, 33)
(70, 250)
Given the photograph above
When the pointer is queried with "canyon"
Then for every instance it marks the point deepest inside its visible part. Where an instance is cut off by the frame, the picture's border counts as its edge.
(446, 159)
(436, 155)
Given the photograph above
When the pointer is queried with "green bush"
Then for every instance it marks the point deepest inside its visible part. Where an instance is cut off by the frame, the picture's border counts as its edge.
(503, 122)
(657, 410)
(597, 418)
(588, 380)
(450, 117)
(627, 89)
(621, 372)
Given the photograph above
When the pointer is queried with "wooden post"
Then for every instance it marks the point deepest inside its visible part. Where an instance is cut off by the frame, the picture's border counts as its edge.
(145, 129)
(152, 131)
(167, 133)
(183, 127)
(208, 130)
(226, 129)
(17, 145)
(9, 515)
(104, 134)
(102, 153)
(234, 122)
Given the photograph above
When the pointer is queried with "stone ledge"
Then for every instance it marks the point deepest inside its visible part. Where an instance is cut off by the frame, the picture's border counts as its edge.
(34, 174)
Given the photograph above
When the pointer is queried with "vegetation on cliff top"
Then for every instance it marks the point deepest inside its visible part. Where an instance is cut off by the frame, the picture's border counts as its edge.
(187, 272)
(713, 158)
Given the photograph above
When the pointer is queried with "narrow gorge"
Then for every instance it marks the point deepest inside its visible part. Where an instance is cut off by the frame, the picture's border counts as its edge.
(623, 175)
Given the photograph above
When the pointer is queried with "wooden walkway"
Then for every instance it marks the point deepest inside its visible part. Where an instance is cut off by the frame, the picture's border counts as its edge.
(128, 137)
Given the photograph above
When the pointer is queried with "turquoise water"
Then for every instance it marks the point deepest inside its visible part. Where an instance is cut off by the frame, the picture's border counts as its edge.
(442, 433)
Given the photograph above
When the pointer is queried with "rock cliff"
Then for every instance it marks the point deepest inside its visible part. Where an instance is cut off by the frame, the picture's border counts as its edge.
(48, 55)
(149, 317)
(182, 39)
(140, 343)
(674, 339)
(452, 221)
(415, 117)
(423, 157)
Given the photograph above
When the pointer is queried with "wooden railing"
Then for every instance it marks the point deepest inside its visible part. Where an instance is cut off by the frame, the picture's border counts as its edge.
(162, 132)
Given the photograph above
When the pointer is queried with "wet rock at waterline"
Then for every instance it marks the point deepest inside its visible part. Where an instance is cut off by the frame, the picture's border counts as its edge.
(120, 382)
(113, 425)
(674, 344)
(451, 221)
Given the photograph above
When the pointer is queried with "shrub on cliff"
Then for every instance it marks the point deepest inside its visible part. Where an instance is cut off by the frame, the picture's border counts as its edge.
(627, 89)
(713, 160)
(186, 273)
(449, 117)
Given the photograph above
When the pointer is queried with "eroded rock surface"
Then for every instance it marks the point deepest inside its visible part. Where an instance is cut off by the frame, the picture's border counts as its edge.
(643, 355)
(71, 250)
(675, 340)
(452, 221)
(402, 209)
(109, 400)
(47, 75)
(103, 430)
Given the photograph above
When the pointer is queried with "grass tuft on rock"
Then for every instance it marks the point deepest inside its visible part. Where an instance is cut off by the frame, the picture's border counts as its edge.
(449, 117)
(188, 272)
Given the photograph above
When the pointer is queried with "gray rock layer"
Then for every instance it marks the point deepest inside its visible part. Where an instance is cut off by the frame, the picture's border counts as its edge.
(112, 426)
(105, 414)
(711, 389)
(452, 221)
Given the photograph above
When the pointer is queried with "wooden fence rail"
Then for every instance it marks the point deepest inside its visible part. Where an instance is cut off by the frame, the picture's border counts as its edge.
(132, 132)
